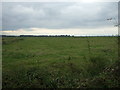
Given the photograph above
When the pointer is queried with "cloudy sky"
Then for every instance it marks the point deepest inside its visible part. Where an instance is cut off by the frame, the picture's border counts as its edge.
(56, 18)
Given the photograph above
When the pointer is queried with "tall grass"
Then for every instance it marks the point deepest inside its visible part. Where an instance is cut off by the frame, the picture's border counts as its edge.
(58, 65)
(89, 46)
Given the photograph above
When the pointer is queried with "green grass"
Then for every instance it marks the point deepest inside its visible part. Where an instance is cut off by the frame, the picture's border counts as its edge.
(57, 62)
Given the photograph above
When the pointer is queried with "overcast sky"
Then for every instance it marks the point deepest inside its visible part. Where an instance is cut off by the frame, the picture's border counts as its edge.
(59, 18)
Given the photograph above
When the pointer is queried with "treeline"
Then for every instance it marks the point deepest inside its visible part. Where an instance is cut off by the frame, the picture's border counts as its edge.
(36, 36)
(51, 36)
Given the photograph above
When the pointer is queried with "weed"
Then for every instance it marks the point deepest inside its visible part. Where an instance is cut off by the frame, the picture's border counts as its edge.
(66, 62)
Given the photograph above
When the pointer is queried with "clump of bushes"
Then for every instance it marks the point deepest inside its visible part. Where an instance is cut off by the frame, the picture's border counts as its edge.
(96, 65)
(109, 77)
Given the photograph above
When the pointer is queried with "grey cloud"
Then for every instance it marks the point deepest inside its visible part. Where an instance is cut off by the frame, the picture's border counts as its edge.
(57, 15)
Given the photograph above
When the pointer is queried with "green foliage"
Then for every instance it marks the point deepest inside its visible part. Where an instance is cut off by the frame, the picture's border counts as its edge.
(60, 62)
(97, 65)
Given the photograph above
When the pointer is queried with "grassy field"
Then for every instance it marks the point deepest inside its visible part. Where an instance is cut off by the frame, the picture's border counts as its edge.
(60, 62)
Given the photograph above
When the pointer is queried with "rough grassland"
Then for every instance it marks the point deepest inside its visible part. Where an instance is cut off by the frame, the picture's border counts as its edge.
(59, 62)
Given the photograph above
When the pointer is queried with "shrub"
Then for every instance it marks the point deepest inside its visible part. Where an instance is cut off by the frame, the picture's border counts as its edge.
(97, 65)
